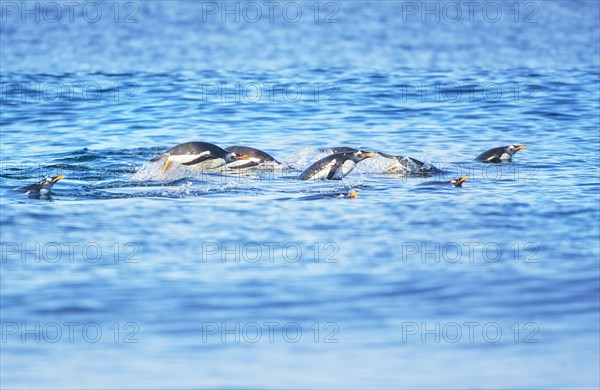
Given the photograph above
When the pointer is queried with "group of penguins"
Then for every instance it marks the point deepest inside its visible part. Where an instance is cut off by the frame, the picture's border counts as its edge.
(339, 163)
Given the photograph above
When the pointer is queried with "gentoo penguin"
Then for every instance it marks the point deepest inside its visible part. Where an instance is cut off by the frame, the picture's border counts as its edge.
(335, 166)
(408, 165)
(201, 155)
(256, 156)
(42, 187)
(454, 182)
(497, 155)
(338, 195)
(338, 149)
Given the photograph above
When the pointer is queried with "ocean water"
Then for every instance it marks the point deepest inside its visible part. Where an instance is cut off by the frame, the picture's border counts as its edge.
(125, 278)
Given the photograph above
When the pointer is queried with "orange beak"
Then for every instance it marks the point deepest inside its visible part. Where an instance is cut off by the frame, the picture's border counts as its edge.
(462, 179)
(166, 166)
(352, 195)
(242, 157)
(57, 178)
(519, 147)
(391, 167)
(369, 154)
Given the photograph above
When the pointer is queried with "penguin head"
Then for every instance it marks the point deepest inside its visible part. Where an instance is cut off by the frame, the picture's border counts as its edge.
(232, 156)
(47, 182)
(360, 155)
(458, 182)
(351, 194)
(512, 149)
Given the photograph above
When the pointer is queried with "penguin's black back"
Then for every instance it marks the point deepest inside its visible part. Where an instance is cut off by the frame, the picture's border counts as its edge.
(420, 165)
(197, 148)
(436, 183)
(251, 152)
(35, 188)
(492, 155)
(31, 188)
(336, 160)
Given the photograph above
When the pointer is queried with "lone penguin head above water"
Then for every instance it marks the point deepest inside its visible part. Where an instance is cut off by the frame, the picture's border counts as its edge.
(498, 155)
(458, 182)
(335, 166)
(338, 195)
(42, 187)
(454, 182)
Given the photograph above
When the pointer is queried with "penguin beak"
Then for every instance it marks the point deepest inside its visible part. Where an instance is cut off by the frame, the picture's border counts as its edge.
(57, 178)
(391, 167)
(352, 195)
(462, 179)
(242, 157)
(369, 154)
(519, 147)
(166, 166)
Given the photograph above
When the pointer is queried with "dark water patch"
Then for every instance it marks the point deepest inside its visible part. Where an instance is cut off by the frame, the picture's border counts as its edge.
(66, 310)
(551, 115)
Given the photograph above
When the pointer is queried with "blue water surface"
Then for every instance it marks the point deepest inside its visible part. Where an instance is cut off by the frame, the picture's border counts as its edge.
(124, 278)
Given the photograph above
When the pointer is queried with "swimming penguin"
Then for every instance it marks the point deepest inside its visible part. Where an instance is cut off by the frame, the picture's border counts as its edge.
(335, 166)
(408, 165)
(497, 155)
(255, 157)
(42, 187)
(454, 182)
(338, 149)
(337, 195)
(201, 155)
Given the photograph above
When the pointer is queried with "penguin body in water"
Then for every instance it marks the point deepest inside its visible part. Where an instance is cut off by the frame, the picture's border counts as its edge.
(336, 195)
(335, 166)
(200, 155)
(501, 154)
(255, 157)
(454, 182)
(41, 188)
(408, 165)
